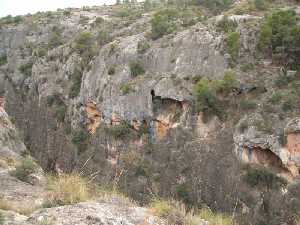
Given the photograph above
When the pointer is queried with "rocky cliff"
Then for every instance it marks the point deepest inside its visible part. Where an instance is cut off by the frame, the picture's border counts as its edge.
(92, 90)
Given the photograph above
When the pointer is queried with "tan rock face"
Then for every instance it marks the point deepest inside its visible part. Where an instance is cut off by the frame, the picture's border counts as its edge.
(94, 116)
(168, 117)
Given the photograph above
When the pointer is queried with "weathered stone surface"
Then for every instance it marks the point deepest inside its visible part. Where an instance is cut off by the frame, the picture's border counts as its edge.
(95, 213)
(253, 146)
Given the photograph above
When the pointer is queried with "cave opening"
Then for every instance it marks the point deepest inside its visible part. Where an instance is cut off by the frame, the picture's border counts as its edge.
(266, 158)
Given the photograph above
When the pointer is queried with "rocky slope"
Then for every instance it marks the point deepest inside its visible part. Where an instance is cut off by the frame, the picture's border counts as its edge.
(18, 197)
(91, 91)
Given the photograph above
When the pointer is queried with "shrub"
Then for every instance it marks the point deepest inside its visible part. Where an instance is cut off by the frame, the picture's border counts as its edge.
(227, 83)
(60, 112)
(26, 69)
(120, 131)
(11, 20)
(99, 20)
(41, 51)
(79, 139)
(215, 218)
(26, 167)
(136, 69)
(215, 5)
(126, 89)
(53, 99)
(67, 189)
(247, 67)
(248, 105)
(76, 83)
(226, 25)
(55, 39)
(276, 98)
(143, 46)
(263, 178)
(206, 99)
(288, 105)
(112, 70)
(163, 22)
(3, 60)
(161, 208)
(260, 4)
(1, 219)
(233, 45)
(83, 42)
(182, 193)
(177, 213)
(282, 80)
(281, 31)
(103, 36)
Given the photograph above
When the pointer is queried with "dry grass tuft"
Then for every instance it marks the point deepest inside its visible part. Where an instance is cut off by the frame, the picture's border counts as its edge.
(175, 212)
(11, 206)
(67, 189)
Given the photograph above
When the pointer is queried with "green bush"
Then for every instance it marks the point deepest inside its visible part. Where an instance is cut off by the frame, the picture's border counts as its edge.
(282, 80)
(83, 42)
(215, 5)
(26, 167)
(227, 83)
(248, 105)
(126, 89)
(182, 193)
(11, 20)
(206, 99)
(60, 112)
(233, 45)
(111, 70)
(41, 51)
(120, 131)
(26, 69)
(276, 98)
(260, 4)
(163, 22)
(247, 67)
(3, 60)
(55, 39)
(2, 219)
(136, 69)
(263, 178)
(79, 139)
(103, 36)
(281, 31)
(53, 99)
(288, 104)
(226, 25)
(76, 83)
(143, 46)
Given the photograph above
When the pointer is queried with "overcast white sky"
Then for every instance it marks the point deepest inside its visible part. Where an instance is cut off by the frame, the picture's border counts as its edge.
(21, 7)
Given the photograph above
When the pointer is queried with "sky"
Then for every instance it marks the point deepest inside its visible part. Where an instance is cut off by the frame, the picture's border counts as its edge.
(22, 7)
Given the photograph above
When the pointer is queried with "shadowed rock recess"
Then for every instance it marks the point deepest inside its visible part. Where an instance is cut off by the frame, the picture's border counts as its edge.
(194, 101)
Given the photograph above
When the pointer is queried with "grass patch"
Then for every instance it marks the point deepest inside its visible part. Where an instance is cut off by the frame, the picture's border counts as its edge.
(233, 45)
(26, 69)
(215, 218)
(120, 131)
(3, 60)
(67, 189)
(2, 219)
(9, 206)
(261, 177)
(26, 167)
(126, 89)
(136, 69)
(143, 46)
(177, 213)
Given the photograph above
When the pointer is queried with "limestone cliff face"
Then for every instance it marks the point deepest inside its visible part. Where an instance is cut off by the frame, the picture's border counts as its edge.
(87, 110)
